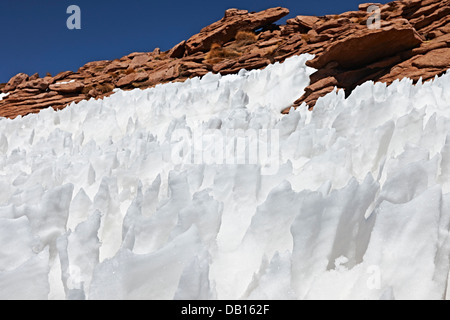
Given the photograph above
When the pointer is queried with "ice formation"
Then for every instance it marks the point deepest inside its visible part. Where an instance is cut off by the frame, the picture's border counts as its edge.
(103, 200)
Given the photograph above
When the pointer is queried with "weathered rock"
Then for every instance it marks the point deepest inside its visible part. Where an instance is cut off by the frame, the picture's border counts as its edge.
(310, 98)
(139, 61)
(356, 54)
(306, 22)
(197, 72)
(70, 87)
(134, 54)
(439, 58)
(132, 77)
(38, 84)
(196, 57)
(94, 65)
(268, 43)
(62, 75)
(250, 56)
(368, 46)
(191, 65)
(99, 79)
(422, 22)
(223, 65)
(15, 81)
(178, 51)
(173, 71)
(385, 63)
(233, 21)
(116, 65)
(30, 90)
(34, 77)
(428, 46)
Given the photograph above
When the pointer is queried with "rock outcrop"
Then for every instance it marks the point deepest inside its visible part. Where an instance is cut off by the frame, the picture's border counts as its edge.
(234, 20)
(412, 40)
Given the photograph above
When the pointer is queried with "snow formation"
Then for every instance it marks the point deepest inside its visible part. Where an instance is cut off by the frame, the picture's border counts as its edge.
(3, 95)
(111, 200)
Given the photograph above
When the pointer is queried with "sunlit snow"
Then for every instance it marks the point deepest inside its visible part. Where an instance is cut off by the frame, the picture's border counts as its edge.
(103, 200)
(3, 95)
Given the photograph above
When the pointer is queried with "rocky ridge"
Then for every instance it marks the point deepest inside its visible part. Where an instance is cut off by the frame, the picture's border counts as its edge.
(413, 41)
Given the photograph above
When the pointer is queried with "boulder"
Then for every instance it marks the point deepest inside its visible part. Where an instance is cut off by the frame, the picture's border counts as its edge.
(234, 20)
(323, 83)
(173, 71)
(67, 87)
(368, 46)
(38, 84)
(306, 22)
(15, 81)
(268, 43)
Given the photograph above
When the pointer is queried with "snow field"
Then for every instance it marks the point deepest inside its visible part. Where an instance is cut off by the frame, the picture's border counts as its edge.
(92, 205)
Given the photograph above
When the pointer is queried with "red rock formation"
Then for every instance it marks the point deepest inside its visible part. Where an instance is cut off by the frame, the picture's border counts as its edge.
(234, 20)
(413, 41)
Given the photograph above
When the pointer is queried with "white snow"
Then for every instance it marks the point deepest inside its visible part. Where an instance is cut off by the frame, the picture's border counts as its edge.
(3, 95)
(118, 199)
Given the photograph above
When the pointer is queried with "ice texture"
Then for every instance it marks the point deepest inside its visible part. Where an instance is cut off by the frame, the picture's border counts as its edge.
(102, 200)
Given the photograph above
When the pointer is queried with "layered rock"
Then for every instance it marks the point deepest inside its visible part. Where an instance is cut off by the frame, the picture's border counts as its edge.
(234, 20)
(413, 41)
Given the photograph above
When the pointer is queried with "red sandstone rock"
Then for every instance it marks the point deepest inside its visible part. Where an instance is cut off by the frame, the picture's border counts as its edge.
(15, 81)
(70, 87)
(368, 46)
(139, 60)
(439, 58)
(233, 21)
(306, 22)
(38, 84)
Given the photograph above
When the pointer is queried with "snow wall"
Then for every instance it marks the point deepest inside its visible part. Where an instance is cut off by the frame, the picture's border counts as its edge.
(203, 190)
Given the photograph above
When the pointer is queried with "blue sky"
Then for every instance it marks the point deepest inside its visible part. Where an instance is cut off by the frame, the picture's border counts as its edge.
(35, 38)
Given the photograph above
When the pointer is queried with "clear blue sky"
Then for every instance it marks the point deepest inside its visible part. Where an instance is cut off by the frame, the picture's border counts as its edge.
(34, 36)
